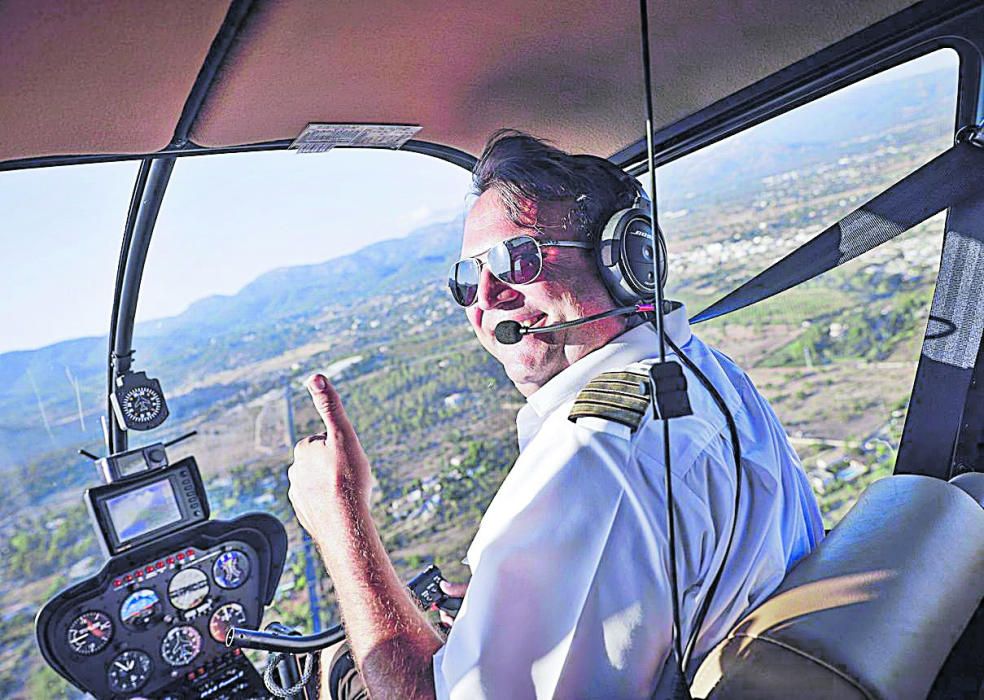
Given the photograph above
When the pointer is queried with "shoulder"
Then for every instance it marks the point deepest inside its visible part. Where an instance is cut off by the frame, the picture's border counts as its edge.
(621, 397)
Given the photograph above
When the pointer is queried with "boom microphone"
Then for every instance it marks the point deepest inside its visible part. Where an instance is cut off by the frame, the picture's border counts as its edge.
(511, 332)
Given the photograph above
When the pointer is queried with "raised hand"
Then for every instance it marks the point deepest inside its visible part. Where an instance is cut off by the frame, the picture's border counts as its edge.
(330, 471)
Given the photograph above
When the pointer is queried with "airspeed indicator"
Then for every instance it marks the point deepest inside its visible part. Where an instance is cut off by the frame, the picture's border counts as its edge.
(90, 632)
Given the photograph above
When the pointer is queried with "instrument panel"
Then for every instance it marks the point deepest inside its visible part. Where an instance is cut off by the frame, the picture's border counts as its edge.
(155, 627)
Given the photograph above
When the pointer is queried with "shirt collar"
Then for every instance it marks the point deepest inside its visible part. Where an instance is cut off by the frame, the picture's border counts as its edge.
(636, 344)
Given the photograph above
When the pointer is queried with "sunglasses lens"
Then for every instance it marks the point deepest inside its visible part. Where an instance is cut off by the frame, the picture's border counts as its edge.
(516, 261)
(463, 281)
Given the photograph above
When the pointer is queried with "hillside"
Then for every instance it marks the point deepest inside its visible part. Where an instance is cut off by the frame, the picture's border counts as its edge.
(835, 358)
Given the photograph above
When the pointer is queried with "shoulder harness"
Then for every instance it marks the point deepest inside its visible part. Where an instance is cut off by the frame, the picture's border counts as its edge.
(622, 397)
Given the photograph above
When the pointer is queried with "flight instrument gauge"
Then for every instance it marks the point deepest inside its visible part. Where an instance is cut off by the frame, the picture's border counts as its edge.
(231, 569)
(181, 645)
(141, 404)
(129, 671)
(188, 589)
(90, 632)
(229, 615)
(140, 608)
(138, 401)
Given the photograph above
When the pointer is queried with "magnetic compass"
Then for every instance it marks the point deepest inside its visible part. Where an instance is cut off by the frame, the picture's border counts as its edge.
(139, 402)
(141, 405)
(89, 633)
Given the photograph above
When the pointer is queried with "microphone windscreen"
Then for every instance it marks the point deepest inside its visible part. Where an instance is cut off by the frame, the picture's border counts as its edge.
(508, 332)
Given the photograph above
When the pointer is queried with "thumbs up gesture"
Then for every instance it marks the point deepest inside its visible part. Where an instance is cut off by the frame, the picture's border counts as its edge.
(330, 472)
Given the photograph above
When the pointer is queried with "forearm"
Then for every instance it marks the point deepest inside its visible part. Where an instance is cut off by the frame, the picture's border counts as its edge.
(391, 640)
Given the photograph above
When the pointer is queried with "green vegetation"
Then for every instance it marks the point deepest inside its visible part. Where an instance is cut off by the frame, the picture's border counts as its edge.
(435, 412)
(48, 543)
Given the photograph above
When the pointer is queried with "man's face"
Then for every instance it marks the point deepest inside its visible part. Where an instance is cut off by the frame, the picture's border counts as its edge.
(567, 288)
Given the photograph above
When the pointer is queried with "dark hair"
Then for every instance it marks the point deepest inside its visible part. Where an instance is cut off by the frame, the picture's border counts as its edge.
(527, 171)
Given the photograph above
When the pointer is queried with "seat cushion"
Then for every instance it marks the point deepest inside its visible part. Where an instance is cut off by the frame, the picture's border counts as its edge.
(972, 483)
(872, 612)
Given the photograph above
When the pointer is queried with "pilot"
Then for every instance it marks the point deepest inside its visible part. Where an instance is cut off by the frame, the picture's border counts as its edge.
(569, 594)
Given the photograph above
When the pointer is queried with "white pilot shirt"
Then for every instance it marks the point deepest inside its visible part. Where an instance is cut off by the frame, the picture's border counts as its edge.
(569, 595)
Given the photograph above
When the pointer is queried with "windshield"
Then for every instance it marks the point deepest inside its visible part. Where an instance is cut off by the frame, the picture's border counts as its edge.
(267, 267)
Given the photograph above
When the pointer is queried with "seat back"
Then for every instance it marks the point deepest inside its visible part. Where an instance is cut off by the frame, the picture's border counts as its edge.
(872, 612)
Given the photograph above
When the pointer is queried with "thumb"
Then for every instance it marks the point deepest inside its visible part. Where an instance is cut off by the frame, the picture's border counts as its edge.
(455, 590)
(327, 402)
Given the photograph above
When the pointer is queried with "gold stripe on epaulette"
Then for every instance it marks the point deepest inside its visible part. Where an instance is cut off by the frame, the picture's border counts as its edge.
(629, 402)
(618, 415)
(621, 387)
(621, 397)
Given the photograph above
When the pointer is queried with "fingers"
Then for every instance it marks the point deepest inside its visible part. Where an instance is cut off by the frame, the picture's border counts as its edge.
(455, 590)
(446, 619)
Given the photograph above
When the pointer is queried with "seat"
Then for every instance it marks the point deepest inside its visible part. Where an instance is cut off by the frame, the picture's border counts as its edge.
(874, 611)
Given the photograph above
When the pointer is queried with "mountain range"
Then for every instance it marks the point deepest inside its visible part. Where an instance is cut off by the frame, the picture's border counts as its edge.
(36, 386)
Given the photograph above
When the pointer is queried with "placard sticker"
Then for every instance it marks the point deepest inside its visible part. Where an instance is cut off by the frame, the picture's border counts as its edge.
(319, 138)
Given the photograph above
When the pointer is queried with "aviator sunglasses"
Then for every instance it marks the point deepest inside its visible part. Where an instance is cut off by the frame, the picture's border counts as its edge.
(516, 260)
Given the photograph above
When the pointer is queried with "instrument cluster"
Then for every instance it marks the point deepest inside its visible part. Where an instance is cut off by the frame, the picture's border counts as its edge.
(162, 621)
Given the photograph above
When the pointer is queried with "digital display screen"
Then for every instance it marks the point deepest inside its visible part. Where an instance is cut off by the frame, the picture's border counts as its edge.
(131, 464)
(143, 510)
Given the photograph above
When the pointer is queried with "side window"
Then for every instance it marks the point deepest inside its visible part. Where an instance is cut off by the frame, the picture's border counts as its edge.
(835, 356)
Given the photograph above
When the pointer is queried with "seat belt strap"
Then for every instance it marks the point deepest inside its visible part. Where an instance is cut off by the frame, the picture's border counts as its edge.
(954, 176)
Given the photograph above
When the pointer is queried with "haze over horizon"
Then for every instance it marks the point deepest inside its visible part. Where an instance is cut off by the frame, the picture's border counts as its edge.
(213, 245)
(202, 245)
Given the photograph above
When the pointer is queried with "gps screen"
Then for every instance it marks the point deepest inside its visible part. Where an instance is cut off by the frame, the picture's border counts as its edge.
(143, 510)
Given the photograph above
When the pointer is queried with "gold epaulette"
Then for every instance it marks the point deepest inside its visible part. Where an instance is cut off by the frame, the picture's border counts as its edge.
(622, 397)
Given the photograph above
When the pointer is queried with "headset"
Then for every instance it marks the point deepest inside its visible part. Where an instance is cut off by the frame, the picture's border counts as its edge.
(624, 253)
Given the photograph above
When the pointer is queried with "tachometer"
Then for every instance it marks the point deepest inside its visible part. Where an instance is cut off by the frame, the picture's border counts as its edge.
(140, 608)
(129, 671)
(229, 615)
(188, 589)
(90, 632)
(231, 569)
(181, 645)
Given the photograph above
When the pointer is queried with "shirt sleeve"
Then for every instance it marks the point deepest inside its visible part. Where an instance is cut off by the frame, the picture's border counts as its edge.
(568, 597)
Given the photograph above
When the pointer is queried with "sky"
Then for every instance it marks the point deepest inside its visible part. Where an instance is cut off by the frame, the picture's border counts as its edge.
(224, 221)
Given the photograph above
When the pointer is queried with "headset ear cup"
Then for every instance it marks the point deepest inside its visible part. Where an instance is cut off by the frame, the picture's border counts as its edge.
(624, 257)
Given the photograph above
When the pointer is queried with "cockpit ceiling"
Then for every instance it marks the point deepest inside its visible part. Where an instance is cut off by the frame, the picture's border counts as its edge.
(113, 77)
